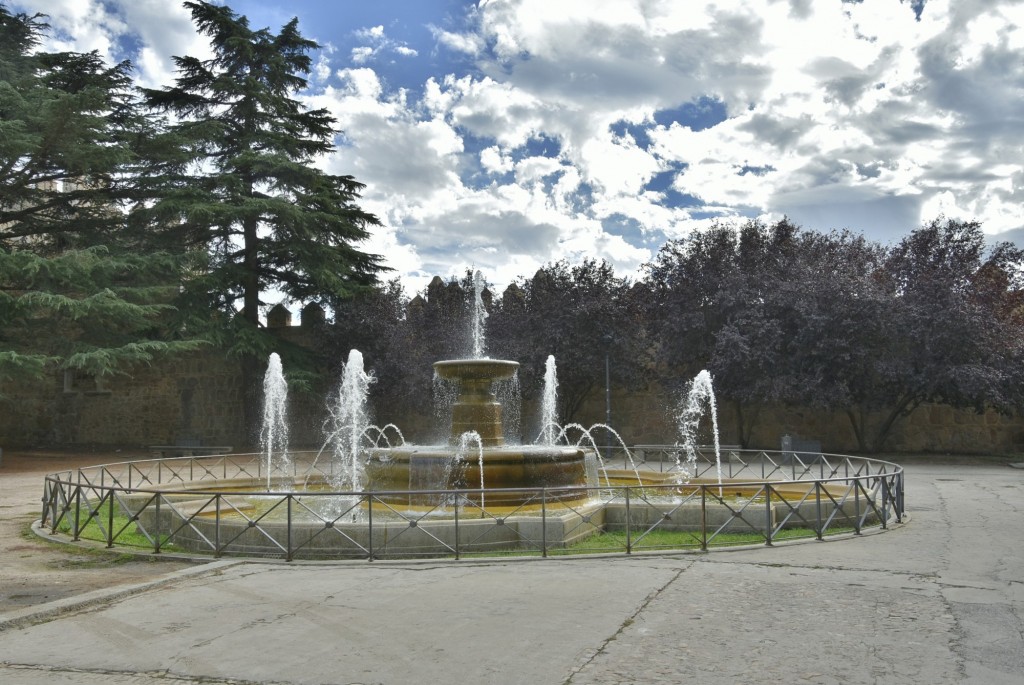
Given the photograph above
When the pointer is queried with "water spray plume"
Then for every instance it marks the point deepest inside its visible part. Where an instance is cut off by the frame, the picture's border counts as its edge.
(274, 431)
(701, 393)
(479, 317)
(549, 403)
(349, 420)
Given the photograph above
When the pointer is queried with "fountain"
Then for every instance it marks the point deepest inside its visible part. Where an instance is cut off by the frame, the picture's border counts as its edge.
(500, 466)
(549, 403)
(476, 492)
(274, 433)
(479, 316)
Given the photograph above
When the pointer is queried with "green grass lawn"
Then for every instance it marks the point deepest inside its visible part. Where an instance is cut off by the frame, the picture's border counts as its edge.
(128, 535)
(124, 528)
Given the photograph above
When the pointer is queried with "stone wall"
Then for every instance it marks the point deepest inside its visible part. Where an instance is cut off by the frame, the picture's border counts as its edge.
(201, 396)
(197, 396)
(649, 417)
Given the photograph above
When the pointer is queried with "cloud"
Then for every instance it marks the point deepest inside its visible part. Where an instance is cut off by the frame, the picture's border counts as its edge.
(596, 128)
(147, 32)
(379, 45)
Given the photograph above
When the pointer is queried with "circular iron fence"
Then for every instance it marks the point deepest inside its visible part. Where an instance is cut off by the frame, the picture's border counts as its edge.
(230, 505)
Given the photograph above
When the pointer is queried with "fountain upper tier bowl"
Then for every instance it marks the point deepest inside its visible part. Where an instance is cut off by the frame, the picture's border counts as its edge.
(476, 369)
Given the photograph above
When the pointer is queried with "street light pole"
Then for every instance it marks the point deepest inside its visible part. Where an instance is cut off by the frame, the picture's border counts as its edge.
(607, 340)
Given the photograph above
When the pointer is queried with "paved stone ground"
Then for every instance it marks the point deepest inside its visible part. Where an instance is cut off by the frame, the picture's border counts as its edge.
(937, 600)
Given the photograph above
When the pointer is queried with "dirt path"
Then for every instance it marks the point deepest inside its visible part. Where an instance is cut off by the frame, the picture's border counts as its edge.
(33, 571)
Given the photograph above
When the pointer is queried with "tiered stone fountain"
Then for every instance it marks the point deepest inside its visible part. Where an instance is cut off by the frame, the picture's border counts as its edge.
(476, 455)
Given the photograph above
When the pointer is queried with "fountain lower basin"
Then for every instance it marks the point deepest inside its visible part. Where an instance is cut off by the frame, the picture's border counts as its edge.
(504, 469)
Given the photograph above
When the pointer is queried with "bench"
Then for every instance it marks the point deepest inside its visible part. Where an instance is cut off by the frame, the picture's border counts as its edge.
(804, 449)
(187, 446)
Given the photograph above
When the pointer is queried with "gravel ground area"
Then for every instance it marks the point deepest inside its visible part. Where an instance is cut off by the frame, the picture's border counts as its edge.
(33, 571)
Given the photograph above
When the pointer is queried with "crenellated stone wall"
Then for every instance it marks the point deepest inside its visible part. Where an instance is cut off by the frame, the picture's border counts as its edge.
(200, 396)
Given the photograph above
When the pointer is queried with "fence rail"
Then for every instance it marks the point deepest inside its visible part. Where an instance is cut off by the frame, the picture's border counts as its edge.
(230, 505)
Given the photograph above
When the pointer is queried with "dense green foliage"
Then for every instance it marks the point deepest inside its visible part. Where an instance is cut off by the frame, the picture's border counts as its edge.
(76, 293)
(232, 177)
(240, 184)
(780, 316)
(579, 314)
(133, 224)
(784, 316)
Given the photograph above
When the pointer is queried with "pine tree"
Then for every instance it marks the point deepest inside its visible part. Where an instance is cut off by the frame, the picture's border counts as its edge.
(75, 293)
(235, 178)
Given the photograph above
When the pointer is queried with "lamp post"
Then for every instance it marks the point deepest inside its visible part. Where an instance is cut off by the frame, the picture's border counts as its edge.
(607, 340)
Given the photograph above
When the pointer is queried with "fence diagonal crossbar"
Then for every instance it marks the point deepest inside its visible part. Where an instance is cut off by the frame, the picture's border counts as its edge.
(666, 516)
(187, 520)
(251, 523)
(793, 510)
(329, 526)
(584, 521)
(243, 469)
(203, 469)
(737, 514)
(412, 522)
(57, 504)
(94, 515)
(502, 521)
(838, 511)
(137, 477)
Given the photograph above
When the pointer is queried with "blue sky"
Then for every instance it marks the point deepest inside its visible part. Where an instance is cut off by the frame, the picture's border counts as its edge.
(506, 134)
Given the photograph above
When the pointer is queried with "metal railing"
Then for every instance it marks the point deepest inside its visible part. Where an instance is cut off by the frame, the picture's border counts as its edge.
(220, 505)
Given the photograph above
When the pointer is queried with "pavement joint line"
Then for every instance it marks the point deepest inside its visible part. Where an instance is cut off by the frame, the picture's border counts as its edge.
(626, 623)
(22, 618)
(163, 675)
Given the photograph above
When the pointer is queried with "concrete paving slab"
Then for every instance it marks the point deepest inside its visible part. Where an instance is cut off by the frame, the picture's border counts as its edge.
(487, 623)
(939, 600)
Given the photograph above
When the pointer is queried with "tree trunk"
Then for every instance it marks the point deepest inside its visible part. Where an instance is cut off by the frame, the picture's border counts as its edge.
(857, 420)
(745, 422)
(904, 408)
(251, 365)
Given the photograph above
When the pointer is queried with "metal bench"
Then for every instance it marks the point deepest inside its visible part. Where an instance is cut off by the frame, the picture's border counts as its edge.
(188, 446)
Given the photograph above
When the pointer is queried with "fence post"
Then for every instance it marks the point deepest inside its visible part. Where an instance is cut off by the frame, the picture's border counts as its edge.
(768, 515)
(110, 518)
(544, 523)
(817, 506)
(703, 518)
(885, 502)
(78, 513)
(288, 535)
(899, 496)
(856, 505)
(216, 525)
(50, 505)
(156, 527)
(629, 527)
(369, 530)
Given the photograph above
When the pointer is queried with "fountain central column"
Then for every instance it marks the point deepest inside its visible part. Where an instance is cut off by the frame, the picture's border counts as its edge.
(477, 408)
